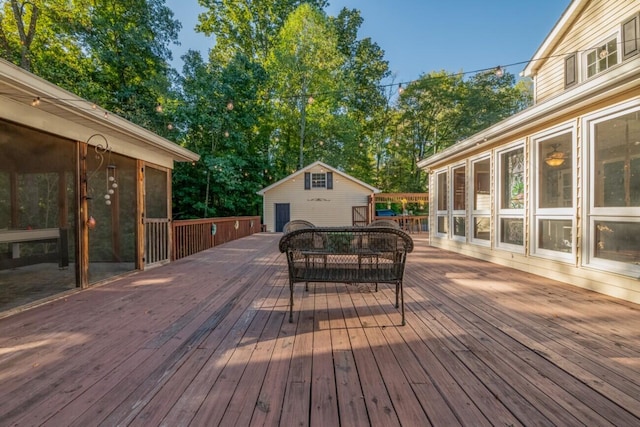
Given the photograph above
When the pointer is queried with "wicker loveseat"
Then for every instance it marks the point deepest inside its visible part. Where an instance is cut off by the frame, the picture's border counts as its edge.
(347, 255)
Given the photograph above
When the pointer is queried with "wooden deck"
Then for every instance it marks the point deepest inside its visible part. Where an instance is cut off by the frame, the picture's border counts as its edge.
(205, 341)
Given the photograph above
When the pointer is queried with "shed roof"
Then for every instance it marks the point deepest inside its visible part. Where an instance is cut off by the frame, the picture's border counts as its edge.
(313, 165)
(20, 86)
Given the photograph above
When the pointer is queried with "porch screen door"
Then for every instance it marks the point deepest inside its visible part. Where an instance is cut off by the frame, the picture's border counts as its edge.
(156, 216)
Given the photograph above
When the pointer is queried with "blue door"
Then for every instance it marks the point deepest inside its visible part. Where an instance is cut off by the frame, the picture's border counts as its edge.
(282, 215)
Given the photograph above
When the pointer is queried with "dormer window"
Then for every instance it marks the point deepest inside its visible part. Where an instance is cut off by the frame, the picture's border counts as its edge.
(602, 57)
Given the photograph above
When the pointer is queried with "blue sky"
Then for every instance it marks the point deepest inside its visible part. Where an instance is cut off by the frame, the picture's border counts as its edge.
(420, 36)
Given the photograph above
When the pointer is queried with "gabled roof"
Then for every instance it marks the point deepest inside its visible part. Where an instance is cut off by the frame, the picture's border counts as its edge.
(22, 87)
(553, 38)
(313, 165)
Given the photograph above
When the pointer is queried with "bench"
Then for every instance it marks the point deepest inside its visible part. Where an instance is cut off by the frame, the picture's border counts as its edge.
(14, 238)
(347, 255)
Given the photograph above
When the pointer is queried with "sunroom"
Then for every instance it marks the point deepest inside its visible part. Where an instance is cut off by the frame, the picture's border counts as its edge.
(553, 190)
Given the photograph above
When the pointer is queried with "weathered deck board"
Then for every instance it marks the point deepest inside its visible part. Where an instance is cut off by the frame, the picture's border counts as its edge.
(206, 341)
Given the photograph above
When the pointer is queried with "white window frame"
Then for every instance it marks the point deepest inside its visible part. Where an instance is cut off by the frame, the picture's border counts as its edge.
(564, 213)
(460, 213)
(593, 214)
(444, 213)
(509, 213)
(615, 38)
(479, 213)
(316, 180)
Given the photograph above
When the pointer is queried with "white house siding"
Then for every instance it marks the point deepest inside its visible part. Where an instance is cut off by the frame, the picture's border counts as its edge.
(322, 207)
(597, 22)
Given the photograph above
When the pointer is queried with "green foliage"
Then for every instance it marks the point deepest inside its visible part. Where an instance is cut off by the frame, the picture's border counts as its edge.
(222, 122)
(249, 28)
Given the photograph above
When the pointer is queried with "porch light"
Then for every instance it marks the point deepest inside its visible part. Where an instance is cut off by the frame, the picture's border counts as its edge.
(555, 158)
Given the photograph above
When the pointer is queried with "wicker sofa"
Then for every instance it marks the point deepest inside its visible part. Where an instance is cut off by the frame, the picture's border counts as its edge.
(347, 255)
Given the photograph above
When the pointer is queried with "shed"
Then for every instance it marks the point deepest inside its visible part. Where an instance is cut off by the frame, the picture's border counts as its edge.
(317, 193)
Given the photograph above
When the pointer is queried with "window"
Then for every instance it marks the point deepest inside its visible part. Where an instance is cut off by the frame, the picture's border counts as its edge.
(318, 180)
(614, 214)
(601, 58)
(512, 197)
(616, 156)
(512, 179)
(553, 215)
(481, 209)
(443, 203)
(459, 202)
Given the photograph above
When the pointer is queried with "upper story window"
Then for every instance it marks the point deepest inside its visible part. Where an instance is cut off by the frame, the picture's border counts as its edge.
(624, 45)
(318, 180)
(602, 57)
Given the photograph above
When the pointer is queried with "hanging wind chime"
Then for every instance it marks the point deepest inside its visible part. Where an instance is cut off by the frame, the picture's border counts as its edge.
(110, 174)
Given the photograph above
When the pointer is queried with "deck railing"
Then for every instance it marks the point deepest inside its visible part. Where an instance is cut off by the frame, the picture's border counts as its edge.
(194, 235)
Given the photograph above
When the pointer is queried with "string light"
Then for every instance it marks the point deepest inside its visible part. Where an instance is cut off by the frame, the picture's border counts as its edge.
(499, 71)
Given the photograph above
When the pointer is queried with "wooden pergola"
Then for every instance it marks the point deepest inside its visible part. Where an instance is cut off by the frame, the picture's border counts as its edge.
(422, 198)
(408, 222)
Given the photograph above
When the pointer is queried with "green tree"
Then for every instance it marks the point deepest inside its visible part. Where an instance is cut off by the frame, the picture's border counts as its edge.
(114, 52)
(363, 97)
(42, 36)
(305, 82)
(220, 120)
(246, 27)
(128, 42)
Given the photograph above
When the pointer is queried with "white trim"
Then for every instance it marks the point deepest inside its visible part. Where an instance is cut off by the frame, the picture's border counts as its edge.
(459, 213)
(605, 265)
(537, 251)
(607, 214)
(583, 72)
(479, 213)
(442, 213)
(508, 213)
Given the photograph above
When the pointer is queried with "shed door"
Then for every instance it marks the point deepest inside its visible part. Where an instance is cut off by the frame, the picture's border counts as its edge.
(282, 215)
(359, 215)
